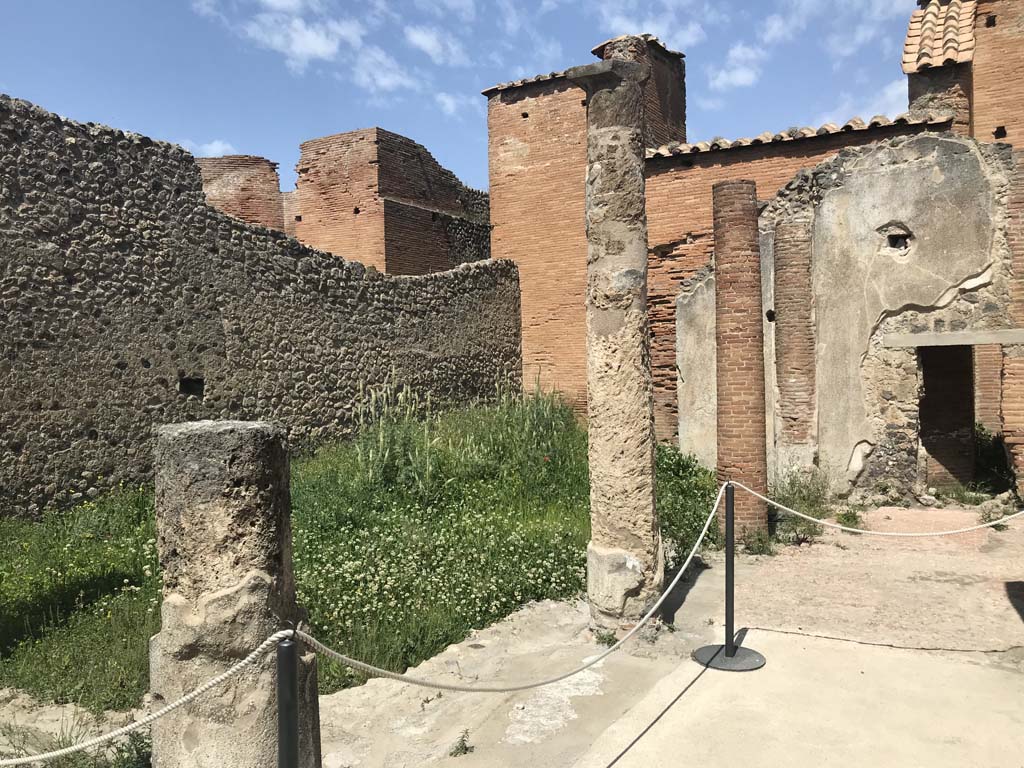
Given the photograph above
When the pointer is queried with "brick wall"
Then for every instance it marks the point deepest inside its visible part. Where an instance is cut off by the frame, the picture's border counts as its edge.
(243, 186)
(794, 331)
(341, 211)
(1013, 356)
(382, 199)
(537, 145)
(944, 88)
(999, 71)
(988, 371)
(740, 342)
(290, 209)
(679, 216)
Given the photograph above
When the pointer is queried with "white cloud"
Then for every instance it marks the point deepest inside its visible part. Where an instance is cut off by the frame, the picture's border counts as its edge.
(455, 104)
(742, 68)
(851, 25)
(710, 103)
(890, 101)
(303, 41)
(214, 148)
(464, 9)
(669, 20)
(441, 47)
(511, 16)
(376, 71)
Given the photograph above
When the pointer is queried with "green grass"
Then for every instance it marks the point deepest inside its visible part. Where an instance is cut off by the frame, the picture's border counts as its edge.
(407, 537)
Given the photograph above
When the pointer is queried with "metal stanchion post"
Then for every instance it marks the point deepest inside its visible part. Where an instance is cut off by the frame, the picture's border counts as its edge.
(729, 657)
(287, 704)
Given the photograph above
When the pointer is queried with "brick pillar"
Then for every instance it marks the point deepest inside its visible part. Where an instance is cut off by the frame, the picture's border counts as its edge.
(1013, 356)
(740, 338)
(988, 371)
(794, 343)
(624, 559)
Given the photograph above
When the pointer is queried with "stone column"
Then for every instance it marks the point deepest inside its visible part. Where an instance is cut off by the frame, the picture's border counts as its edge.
(624, 559)
(224, 538)
(794, 343)
(739, 337)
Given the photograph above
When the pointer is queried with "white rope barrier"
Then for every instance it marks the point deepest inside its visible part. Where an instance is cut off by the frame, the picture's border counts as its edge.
(894, 534)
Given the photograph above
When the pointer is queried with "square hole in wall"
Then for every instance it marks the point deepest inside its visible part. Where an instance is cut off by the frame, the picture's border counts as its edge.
(990, 20)
(1000, 132)
(298, 218)
(192, 386)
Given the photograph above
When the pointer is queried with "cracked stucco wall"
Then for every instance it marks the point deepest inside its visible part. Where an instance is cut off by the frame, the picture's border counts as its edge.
(948, 196)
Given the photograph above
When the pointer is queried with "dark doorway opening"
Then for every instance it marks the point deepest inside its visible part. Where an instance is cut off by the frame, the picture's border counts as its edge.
(947, 414)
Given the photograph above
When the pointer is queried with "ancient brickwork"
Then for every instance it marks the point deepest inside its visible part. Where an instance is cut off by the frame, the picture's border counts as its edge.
(537, 151)
(290, 209)
(949, 88)
(679, 212)
(382, 199)
(794, 331)
(245, 187)
(130, 302)
(740, 344)
(338, 197)
(1013, 356)
(988, 371)
(538, 156)
(999, 72)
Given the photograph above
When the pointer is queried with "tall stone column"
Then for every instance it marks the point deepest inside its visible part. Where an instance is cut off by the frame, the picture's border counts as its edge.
(739, 335)
(224, 537)
(624, 559)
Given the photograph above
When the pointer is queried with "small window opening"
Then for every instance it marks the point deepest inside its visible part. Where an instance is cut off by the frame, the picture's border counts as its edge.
(990, 20)
(526, 115)
(298, 218)
(899, 242)
(1000, 132)
(770, 315)
(355, 211)
(192, 386)
(583, 103)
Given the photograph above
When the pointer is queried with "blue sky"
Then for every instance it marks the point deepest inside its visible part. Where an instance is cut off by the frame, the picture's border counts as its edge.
(260, 76)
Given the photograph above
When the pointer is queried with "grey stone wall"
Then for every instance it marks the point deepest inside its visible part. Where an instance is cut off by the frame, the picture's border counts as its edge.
(129, 302)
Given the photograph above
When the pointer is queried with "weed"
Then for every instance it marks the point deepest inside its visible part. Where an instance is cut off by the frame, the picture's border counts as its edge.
(758, 543)
(134, 752)
(970, 495)
(684, 494)
(605, 638)
(851, 518)
(807, 491)
(461, 746)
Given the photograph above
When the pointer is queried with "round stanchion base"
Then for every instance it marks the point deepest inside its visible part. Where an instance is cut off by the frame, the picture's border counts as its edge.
(713, 657)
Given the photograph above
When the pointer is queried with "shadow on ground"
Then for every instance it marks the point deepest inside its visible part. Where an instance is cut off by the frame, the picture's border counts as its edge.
(1015, 593)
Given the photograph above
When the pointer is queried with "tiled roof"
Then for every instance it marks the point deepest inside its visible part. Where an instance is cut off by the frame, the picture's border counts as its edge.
(795, 134)
(525, 81)
(941, 32)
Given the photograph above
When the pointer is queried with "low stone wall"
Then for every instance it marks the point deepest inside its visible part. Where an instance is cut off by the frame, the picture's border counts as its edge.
(129, 302)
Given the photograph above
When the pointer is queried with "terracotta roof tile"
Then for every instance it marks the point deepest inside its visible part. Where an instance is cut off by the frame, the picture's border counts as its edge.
(525, 81)
(798, 134)
(941, 32)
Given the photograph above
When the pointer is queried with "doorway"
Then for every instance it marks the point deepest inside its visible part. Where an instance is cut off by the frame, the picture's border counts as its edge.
(947, 414)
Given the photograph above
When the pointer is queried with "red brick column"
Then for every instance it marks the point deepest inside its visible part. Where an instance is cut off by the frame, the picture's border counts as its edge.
(794, 333)
(740, 340)
(1013, 356)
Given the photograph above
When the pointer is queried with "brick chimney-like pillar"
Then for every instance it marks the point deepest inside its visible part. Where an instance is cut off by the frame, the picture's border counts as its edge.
(740, 339)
